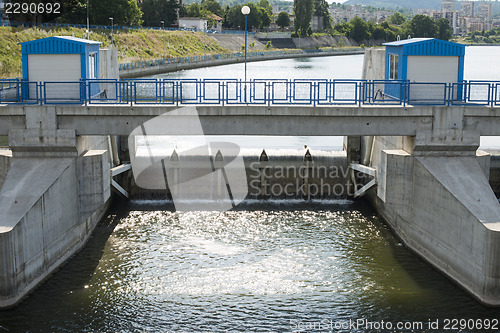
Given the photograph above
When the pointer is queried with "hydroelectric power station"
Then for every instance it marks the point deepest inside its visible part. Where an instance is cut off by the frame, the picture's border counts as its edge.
(417, 140)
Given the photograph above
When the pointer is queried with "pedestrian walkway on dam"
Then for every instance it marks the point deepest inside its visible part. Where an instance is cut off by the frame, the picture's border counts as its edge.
(300, 92)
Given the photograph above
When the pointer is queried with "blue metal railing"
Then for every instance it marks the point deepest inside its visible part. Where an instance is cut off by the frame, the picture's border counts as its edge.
(211, 57)
(9, 83)
(314, 92)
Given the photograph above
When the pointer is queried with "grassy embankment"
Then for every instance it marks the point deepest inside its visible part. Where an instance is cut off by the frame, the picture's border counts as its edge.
(133, 45)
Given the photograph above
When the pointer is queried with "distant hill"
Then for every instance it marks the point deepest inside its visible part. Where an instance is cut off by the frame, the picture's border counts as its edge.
(397, 4)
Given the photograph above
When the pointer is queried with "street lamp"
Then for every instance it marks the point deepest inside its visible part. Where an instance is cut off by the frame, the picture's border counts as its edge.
(111, 31)
(163, 28)
(245, 10)
(88, 21)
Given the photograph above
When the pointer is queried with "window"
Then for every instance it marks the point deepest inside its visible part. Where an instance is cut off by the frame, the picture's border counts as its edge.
(92, 65)
(393, 66)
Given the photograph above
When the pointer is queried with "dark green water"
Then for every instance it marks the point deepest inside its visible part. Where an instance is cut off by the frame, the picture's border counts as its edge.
(278, 266)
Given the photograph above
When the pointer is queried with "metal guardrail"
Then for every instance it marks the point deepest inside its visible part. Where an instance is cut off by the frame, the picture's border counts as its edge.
(258, 92)
(115, 27)
(9, 83)
(211, 57)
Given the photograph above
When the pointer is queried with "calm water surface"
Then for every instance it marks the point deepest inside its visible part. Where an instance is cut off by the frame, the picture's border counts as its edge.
(275, 266)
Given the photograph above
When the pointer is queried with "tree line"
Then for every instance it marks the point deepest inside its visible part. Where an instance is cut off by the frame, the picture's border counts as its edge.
(360, 30)
(396, 25)
(152, 12)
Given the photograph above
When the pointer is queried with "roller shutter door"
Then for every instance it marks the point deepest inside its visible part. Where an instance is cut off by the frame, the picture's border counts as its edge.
(56, 68)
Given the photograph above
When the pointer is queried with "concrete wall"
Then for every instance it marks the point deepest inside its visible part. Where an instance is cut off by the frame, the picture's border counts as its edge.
(374, 64)
(444, 209)
(109, 69)
(140, 72)
(234, 42)
(56, 188)
(323, 41)
(5, 160)
(433, 191)
(48, 209)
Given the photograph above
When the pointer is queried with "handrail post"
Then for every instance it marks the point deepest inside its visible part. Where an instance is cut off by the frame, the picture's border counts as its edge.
(490, 94)
(358, 90)
(132, 96)
(315, 93)
(221, 93)
(177, 92)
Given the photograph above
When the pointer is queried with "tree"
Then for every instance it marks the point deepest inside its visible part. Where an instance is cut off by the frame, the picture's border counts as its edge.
(193, 10)
(423, 26)
(213, 7)
(236, 19)
(265, 17)
(266, 6)
(156, 11)
(123, 12)
(283, 20)
(359, 31)
(74, 11)
(396, 19)
(321, 9)
(379, 33)
(444, 29)
(343, 28)
(303, 10)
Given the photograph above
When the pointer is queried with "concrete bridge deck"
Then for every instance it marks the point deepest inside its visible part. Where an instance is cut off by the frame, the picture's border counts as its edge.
(259, 120)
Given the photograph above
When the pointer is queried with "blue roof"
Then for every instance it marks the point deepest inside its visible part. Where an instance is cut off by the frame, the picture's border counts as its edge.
(407, 41)
(58, 45)
(426, 46)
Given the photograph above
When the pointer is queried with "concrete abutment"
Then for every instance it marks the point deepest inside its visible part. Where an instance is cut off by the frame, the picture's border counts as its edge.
(433, 191)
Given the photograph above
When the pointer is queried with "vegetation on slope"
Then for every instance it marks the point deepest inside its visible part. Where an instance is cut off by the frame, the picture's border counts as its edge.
(134, 45)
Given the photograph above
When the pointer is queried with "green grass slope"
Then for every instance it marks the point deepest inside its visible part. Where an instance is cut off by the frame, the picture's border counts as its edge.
(133, 45)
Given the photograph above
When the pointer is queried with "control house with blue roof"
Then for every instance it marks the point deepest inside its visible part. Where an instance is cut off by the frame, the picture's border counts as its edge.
(59, 59)
(423, 60)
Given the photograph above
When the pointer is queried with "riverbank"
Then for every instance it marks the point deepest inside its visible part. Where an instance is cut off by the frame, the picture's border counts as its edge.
(145, 45)
(141, 69)
(132, 45)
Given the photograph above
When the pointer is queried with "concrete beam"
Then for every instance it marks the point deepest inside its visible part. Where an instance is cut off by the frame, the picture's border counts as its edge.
(264, 120)
(243, 120)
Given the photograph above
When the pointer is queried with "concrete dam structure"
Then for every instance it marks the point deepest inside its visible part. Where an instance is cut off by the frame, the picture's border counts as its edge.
(433, 191)
(425, 174)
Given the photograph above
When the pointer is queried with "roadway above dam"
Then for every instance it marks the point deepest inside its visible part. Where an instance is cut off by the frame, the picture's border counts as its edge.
(395, 120)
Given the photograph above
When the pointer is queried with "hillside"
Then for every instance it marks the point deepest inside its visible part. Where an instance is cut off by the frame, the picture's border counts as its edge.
(131, 45)
(397, 4)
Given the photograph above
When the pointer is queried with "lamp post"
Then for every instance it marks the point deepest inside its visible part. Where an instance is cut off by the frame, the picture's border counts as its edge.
(88, 21)
(111, 31)
(163, 28)
(245, 10)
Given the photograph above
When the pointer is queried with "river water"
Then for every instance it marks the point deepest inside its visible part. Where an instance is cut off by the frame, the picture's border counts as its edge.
(265, 266)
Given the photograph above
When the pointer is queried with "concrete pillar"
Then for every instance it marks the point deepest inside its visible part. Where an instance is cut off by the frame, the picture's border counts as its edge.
(263, 164)
(54, 193)
(219, 165)
(352, 146)
(308, 165)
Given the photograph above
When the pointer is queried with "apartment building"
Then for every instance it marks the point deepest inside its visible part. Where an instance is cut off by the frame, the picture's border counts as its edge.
(484, 10)
(467, 8)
